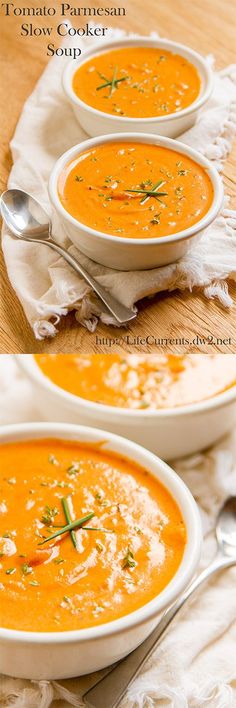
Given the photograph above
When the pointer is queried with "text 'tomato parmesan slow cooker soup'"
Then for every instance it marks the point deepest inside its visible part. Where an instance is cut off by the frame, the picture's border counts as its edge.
(125, 546)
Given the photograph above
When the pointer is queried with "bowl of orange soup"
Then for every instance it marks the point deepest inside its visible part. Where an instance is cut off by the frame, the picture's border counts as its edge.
(74, 600)
(140, 84)
(134, 201)
(173, 405)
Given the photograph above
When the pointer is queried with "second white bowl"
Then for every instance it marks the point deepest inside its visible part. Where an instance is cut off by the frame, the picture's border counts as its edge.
(170, 433)
(96, 122)
(133, 253)
(51, 655)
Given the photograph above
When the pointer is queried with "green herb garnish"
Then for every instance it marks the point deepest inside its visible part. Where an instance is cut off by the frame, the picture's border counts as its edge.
(156, 218)
(52, 459)
(66, 510)
(69, 527)
(10, 571)
(96, 528)
(150, 192)
(49, 514)
(183, 172)
(129, 561)
(74, 468)
(26, 569)
(113, 83)
(34, 583)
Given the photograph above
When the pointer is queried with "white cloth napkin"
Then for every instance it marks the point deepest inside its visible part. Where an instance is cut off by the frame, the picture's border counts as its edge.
(46, 286)
(195, 663)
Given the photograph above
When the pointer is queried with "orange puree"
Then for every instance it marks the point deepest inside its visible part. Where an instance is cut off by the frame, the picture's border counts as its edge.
(141, 381)
(134, 551)
(108, 188)
(147, 82)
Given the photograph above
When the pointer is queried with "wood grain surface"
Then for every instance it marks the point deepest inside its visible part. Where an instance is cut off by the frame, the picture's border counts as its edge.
(207, 26)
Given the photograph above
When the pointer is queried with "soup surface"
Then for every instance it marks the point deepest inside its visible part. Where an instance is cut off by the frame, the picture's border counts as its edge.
(135, 190)
(141, 381)
(137, 82)
(120, 559)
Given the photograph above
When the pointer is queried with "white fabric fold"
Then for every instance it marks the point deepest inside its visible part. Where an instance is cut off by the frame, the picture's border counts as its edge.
(195, 663)
(46, 286)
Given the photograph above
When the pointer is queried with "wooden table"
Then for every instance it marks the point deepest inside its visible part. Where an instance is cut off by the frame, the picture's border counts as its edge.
(206, 25)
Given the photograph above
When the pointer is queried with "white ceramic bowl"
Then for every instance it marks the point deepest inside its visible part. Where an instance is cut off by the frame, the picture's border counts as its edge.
(169, 433)
(131, 253)
(51, 655)
(96, 122)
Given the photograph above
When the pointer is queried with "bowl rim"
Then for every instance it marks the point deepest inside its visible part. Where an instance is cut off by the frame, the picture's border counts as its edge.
(170, 143)
(169, 478)
(206, 75)
(28, 364)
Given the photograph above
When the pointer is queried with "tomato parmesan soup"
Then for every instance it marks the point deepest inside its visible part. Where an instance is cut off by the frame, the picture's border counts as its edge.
(87, 536)
(137, 82)
(141, 381)
(135, 190)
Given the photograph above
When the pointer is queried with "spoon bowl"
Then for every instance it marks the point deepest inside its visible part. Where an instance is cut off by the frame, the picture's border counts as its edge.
(226, 528)
(24, 215)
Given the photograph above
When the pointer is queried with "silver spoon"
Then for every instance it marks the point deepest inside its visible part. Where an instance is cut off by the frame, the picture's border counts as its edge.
(108, 692)
(26, 219)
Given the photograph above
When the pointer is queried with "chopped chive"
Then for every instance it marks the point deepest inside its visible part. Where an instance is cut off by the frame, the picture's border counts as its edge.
(10, 571)
(74, 468)
(183, 172)
(52, 459)
(129, 561)
(33, 582)
(49, 514)
(156, 219)
(26, 569)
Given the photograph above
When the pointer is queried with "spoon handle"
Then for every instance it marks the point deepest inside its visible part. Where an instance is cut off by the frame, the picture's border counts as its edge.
(121, 313)
(108, 692)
